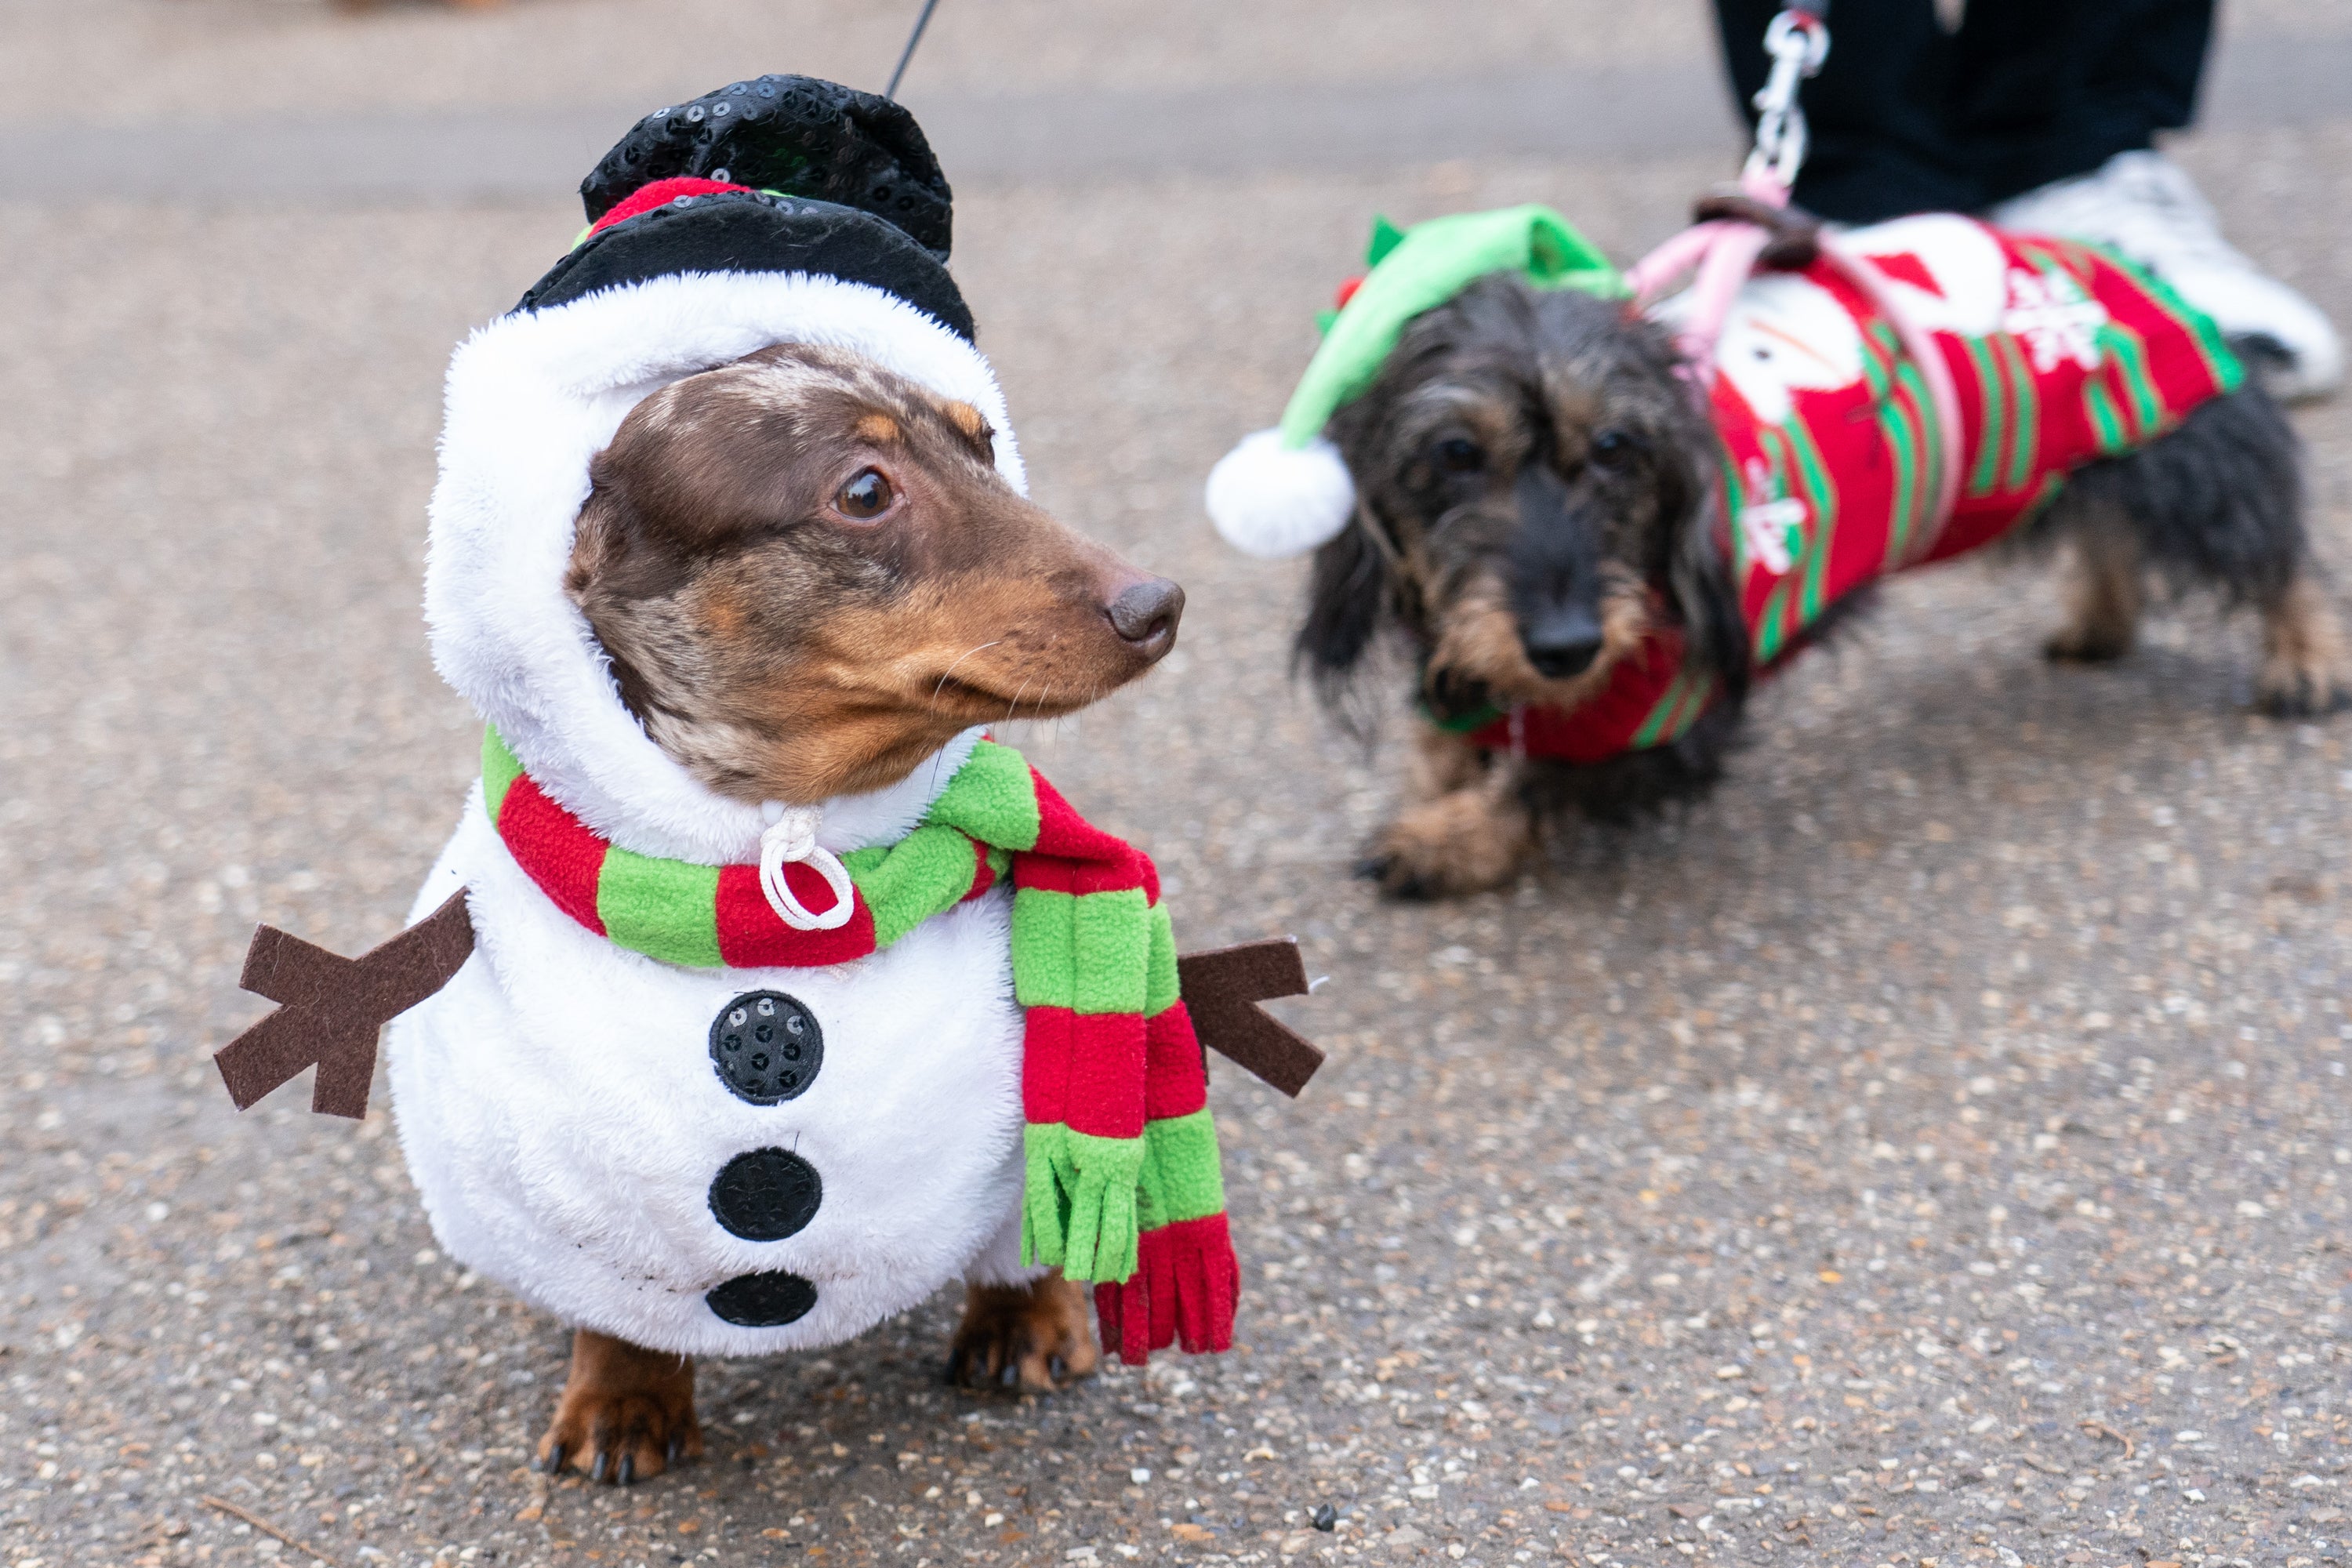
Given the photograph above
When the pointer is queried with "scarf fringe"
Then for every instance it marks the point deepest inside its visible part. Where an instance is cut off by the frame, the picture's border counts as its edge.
(1186, 1288)
(1078, 1209)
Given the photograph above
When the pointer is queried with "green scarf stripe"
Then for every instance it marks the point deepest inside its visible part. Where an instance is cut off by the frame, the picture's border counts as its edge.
(1161, 990)
(1992, 391)
(500, 768)
(1113, 928)
(926, 873)
(1179, 1179)
(1079, 1202)
(992, 798)
(667, 910)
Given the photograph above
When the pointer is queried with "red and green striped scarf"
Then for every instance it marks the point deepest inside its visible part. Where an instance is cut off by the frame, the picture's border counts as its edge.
(1123, 1185)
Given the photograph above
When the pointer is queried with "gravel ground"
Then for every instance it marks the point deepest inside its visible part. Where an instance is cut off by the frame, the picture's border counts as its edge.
(1935, 1148)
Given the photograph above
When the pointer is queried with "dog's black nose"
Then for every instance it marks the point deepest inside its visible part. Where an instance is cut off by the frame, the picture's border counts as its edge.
(1146, 614)
(1563, 645)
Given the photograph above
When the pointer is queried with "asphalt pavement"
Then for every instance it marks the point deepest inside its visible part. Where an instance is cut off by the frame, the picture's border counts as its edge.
(1935, 1148)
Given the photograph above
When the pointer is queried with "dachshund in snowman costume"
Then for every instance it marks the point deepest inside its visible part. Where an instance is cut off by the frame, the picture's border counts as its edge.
(760, 994)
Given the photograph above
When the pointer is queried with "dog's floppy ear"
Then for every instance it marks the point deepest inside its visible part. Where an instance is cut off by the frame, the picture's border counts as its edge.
(1697, 569)
(1347, 587)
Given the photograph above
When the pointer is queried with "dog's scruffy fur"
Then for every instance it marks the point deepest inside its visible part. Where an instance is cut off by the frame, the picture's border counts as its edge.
(1536, 482)
(808, 575)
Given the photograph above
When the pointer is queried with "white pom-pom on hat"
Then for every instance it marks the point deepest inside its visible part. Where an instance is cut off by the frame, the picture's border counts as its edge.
(1271, 500)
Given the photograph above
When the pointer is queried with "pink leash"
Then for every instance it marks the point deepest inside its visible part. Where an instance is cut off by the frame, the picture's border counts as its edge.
(1722, 252)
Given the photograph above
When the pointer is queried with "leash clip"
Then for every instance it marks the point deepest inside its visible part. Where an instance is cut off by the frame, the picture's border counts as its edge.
(790, 836)
(1797, 42)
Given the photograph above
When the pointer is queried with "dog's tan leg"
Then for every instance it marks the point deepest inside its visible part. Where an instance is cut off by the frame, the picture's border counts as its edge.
(626, 1414)
(1442, 763)
(2104, 596)
(2305, 667)
(1466, 831)
(1033, 1337)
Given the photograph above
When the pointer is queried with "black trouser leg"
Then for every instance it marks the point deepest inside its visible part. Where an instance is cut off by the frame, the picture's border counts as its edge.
(1875, 113)
(2044, 92)
(1906, 118)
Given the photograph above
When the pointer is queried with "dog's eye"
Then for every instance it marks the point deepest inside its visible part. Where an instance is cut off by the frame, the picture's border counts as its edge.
(1614, 449)
(865, 497)
(1460, 455)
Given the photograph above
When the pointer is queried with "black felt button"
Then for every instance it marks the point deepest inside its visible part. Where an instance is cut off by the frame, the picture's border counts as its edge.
(766, 1046)
(766, 1194)
(763, 1300)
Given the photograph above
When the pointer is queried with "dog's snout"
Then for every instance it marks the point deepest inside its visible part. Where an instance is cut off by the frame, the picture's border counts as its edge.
(1563, 645)
(1145, 615)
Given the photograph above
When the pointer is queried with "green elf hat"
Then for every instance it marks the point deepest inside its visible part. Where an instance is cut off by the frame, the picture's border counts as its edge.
(1284, 490)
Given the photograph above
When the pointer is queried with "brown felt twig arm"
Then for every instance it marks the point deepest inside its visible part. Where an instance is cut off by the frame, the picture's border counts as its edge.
(330, 1007)
(1222, 990)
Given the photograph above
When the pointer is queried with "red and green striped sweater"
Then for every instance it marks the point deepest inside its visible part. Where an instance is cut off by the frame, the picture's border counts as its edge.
(1123, 1186)
(2060, 353)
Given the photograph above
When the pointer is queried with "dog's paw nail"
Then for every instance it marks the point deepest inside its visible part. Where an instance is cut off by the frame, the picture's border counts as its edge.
(676, 1446)
(596, 1472)
(627, 1474)
(552, 1463)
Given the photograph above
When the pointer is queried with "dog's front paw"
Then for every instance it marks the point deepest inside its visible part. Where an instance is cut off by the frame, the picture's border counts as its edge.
(2089, 642)
(2306, 664)
(626, 1414)
(2300, 689)
(1034, 1337)
(1465, 842)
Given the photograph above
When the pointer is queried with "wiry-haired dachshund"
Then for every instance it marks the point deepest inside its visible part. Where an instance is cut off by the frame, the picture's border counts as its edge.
(1540, 496)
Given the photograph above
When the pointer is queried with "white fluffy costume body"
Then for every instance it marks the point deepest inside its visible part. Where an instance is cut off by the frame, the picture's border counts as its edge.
(578, 1114)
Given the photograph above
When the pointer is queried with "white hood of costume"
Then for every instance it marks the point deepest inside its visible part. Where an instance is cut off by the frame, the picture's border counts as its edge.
(558, 1102)
(532, 398)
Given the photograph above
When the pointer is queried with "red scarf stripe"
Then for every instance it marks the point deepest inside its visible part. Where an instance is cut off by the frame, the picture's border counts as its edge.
(751, 936)
(1187, 1282)
(1175, 1080)
(560, 855)
(1082, 1068)
(1109, 866)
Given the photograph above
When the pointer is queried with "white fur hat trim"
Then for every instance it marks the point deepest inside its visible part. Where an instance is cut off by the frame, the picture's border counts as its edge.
(1271, 500)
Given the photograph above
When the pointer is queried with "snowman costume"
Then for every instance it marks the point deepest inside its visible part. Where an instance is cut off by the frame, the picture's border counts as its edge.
(703, 1150)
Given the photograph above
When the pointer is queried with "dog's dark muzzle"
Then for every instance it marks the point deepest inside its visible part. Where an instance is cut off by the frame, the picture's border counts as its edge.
(1563, 643)
(1555, 575)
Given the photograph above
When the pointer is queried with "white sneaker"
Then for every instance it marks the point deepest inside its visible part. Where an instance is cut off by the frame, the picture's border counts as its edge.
(2143, 206)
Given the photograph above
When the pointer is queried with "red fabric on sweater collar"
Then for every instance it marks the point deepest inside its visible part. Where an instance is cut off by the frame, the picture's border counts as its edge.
(660, 194)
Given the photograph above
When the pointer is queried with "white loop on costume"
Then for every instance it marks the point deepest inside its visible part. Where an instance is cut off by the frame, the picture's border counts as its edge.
(790, 836)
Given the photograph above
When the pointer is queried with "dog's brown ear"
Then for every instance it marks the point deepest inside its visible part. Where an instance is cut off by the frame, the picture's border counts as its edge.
(1346, 588)
(1698, 572)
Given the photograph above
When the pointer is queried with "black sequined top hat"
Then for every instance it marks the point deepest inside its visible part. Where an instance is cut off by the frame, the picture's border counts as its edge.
(779, 174)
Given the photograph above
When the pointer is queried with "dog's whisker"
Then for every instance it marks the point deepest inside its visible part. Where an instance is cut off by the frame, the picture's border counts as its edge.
(950, 669)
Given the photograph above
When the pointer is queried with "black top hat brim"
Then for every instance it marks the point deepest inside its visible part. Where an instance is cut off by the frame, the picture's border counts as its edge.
(750, 231)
